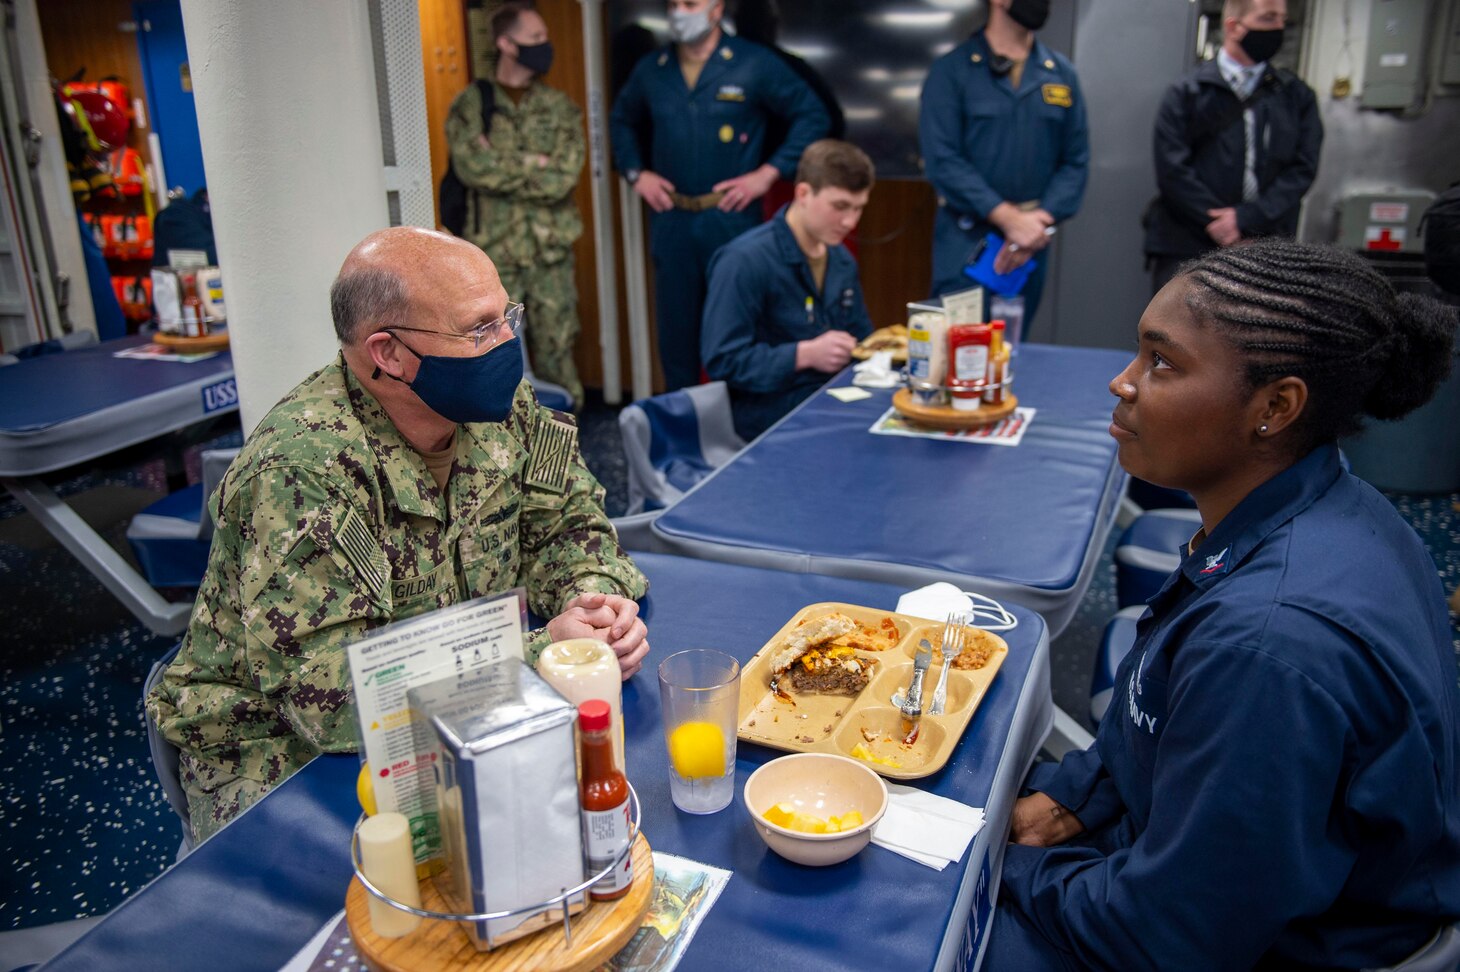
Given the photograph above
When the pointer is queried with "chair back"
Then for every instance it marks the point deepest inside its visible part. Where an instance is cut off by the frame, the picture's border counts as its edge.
(165, 754)
(674, 440)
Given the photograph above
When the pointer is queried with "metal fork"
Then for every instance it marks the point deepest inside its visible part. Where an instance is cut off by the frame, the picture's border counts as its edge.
(952, 645)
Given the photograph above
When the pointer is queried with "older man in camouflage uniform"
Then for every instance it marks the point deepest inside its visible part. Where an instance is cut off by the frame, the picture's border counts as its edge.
(355, 503)
(520, 179)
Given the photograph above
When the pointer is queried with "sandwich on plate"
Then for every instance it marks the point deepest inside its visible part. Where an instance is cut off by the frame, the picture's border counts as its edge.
(810, 662)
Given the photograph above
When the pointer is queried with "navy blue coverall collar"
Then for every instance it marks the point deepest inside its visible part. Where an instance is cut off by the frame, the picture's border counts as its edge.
(1041, 63)
(718, 63)
(1263, 510)
(791, 252)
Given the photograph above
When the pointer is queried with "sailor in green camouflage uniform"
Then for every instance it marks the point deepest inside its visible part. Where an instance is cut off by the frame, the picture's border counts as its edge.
(520, 180)
(358, 502)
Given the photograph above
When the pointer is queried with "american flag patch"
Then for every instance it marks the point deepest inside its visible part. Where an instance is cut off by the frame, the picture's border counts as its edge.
(357, 547)
(552, 450)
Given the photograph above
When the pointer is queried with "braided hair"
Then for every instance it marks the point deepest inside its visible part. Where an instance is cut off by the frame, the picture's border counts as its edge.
(1321, 314)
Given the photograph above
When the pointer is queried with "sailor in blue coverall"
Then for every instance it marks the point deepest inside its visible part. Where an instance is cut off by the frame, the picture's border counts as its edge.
(704, 168)
(785, 305)
(1005, 145)
(1276, 784)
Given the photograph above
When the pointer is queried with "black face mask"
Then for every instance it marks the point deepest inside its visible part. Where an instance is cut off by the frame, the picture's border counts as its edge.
(1029, 14)
(537, 58)
(1262, 45)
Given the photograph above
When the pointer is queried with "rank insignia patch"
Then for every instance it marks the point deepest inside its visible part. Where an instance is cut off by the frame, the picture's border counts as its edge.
(1058, 94)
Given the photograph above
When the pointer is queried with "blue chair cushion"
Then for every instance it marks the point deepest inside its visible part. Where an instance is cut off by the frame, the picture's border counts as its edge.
(168, 540)
(1115, 644)
(1149, 551)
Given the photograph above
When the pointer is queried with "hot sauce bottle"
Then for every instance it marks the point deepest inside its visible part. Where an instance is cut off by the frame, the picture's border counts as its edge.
(998, 365)
(605, 797)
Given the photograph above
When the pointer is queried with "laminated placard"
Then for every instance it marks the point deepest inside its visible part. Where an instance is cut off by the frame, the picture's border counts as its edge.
(392, 660)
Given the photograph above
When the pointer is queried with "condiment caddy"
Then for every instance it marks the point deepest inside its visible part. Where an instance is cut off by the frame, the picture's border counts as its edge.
(958, 376)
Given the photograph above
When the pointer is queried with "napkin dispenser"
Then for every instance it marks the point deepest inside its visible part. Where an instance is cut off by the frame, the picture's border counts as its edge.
(505, 775)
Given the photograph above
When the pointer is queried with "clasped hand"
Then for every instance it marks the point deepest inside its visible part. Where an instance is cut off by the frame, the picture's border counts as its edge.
(608, 618)
(1024, 235)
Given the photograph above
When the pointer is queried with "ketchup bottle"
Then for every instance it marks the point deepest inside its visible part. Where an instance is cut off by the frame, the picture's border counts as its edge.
(605, 798)
(968, 364)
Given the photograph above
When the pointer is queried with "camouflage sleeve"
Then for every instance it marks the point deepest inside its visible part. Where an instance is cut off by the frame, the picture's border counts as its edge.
(565, 159)
(312, 582)
(479, 163)
(568, 546)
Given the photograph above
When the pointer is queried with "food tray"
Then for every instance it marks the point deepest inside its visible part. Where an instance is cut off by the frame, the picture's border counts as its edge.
(836, 723)
(946, 418)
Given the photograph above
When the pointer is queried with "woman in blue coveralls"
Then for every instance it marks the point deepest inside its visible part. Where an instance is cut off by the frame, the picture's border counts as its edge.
(1276, 784)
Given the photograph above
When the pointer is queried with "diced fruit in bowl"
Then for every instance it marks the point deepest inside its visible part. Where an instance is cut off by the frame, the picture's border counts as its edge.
(815, 808)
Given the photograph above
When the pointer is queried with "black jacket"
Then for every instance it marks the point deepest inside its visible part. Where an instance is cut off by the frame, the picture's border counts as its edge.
(1200, 144)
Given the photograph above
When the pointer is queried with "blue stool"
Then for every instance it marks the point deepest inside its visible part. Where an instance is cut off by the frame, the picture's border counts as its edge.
(1147, 553)
(1115, 644)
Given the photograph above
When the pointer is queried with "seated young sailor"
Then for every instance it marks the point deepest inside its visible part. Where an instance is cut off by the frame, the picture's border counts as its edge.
(413, 472)
(784, 307)
(1278, 783)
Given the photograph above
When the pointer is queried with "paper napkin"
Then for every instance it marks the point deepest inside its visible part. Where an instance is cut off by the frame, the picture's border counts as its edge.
(925, 827)
(876, 372)
(846, 393)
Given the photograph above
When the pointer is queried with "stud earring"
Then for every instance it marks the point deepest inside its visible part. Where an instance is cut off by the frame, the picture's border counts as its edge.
(1262, 430)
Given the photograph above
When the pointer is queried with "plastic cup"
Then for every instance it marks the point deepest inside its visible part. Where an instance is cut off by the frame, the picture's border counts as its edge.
(699, 692)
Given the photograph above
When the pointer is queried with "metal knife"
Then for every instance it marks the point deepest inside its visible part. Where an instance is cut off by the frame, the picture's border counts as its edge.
(912, 700)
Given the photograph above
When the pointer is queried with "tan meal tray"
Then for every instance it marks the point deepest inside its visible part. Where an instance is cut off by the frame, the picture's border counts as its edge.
(840, 723)
(948, 419)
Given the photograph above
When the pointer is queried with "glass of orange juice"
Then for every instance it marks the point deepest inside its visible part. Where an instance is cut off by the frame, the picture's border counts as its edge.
(699, 691)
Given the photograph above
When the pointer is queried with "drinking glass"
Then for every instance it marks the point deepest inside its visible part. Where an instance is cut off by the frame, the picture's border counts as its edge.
(699, 691)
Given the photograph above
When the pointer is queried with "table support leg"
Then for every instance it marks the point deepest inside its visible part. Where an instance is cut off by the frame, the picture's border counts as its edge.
(105, 564)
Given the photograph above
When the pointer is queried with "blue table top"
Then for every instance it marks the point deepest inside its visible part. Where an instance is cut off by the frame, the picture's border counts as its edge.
(41, 392)
(62, 409)
(820, 490)
(254, 894)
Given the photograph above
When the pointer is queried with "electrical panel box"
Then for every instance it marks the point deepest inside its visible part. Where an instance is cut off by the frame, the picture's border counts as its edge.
(1384, 222)
(1450, 59)
(1394, 63)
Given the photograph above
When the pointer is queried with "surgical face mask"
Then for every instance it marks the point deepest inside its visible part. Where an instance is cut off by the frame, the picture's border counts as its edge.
(537, 58)
(475, 389)
(1029, 14)
(1262, 45)
(689, 27)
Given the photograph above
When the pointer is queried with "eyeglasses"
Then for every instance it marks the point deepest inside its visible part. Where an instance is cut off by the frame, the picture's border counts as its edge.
(487, 334)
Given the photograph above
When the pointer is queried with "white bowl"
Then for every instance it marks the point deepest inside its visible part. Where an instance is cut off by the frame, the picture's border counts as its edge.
(823, 785)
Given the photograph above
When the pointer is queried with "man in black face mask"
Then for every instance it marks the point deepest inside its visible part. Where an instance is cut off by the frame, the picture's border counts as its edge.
(520, 173)
(1006, 146)
(1237, 143)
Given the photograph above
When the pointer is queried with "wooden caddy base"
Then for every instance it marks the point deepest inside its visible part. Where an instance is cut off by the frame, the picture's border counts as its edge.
(598, 933)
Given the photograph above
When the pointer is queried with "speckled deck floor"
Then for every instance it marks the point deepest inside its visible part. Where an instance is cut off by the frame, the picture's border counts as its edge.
(82, 818)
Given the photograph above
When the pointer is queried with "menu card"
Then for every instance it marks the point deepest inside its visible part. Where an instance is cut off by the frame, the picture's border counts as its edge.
(401, 656)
